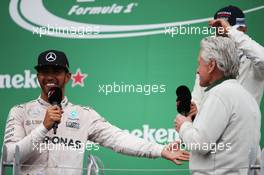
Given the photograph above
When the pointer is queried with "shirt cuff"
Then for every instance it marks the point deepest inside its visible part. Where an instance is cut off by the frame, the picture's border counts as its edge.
(185, 126)
(234, 34)
(39, 133)
(157, 150)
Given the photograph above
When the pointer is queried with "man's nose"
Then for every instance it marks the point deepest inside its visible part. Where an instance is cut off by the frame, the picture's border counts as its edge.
(49, 75)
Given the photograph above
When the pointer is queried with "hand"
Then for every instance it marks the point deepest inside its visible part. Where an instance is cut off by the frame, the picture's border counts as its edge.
(193, 110)
(53, 114)
(180, 119)
(173, 146)
(175, 156)
(222, 26)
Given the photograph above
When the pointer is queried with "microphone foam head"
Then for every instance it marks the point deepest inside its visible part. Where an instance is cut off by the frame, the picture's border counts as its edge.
(55, 95)
(183, 100)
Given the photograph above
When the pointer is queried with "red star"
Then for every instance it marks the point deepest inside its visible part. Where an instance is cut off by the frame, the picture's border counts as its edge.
(78, 78)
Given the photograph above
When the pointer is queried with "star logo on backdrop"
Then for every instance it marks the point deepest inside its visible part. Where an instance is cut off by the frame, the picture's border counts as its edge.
(78, 78)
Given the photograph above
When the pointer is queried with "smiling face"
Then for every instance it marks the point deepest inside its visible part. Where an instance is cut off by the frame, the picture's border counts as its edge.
(51, 76)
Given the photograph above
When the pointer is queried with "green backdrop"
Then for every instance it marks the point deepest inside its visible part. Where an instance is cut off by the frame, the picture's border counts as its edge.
(123, 47)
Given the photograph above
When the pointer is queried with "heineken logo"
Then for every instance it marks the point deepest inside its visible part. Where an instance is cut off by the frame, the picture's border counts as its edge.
(29, 80)
(26, 80)
(94, 19)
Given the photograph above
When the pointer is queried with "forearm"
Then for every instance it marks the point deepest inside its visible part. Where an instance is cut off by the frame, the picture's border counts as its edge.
(193, 138)
(120, 141)
(128, 144)
(252, 50)
(28, 146)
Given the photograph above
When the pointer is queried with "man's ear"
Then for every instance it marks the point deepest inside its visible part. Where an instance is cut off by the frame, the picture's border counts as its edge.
(68, 77)
(211, 66)
(37, 75)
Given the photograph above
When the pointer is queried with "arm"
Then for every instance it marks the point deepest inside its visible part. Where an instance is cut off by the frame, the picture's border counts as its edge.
(208, 126)
(120, 141)
(15, 135)
(252, 50)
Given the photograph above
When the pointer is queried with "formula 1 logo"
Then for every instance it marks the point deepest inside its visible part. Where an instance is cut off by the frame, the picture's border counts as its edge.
(80, 19)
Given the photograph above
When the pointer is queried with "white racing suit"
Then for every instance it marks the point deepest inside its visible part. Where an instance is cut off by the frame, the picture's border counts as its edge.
(51, 154)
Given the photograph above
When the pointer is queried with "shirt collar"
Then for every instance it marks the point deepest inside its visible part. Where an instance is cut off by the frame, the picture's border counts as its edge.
(217, 82)
(64, 102)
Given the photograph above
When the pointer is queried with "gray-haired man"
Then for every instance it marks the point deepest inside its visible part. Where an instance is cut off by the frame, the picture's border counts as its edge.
(224, 137)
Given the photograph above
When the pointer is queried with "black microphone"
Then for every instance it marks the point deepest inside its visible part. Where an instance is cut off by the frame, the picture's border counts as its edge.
(183, 100)
(55, 98)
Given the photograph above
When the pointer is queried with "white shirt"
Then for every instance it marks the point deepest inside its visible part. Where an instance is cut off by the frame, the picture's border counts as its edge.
(228, 120)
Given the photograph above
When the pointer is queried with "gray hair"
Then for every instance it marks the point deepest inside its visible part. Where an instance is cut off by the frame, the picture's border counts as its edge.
(224, 51)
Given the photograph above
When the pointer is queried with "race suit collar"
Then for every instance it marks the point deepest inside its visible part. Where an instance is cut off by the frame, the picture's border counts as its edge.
(64, 102)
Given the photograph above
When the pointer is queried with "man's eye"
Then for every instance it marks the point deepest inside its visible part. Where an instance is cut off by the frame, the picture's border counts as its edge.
(58, 71)
(43, 72)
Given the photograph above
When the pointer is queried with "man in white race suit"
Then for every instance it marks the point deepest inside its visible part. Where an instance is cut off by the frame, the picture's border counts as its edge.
(29, 126)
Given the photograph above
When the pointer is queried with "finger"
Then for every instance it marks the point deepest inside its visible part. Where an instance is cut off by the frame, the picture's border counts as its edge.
(56, 119)
(183, 158)
(54, 113)
(215, 23)
(185, 152)
(192, 110)
(211, 22)
(57, 109)
(55, 116)
(53, 107)
(191, 114)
